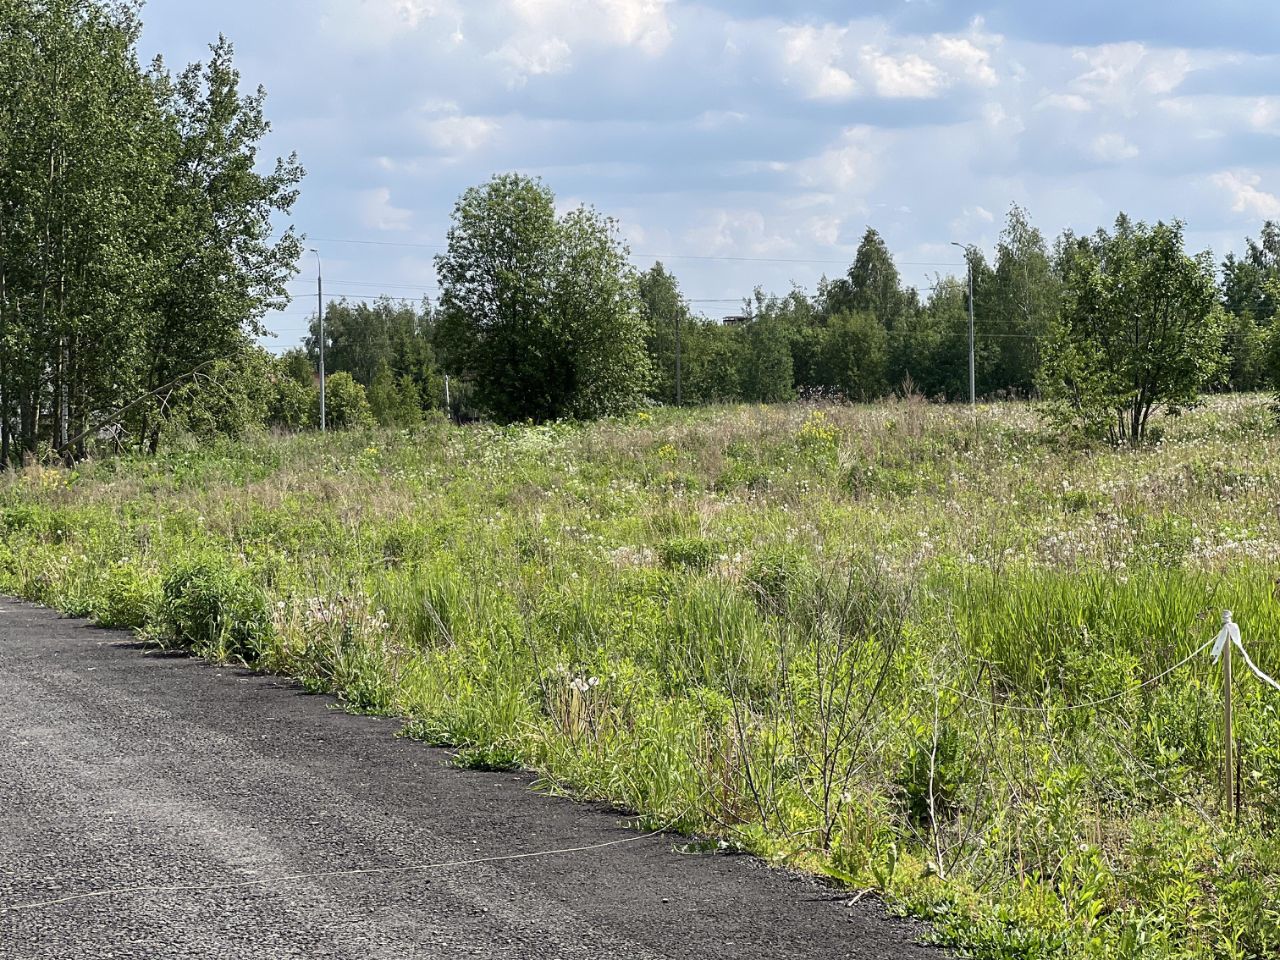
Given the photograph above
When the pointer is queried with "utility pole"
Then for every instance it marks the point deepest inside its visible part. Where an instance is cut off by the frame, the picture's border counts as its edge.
(320, 315)
(679, 391)
(973, 394)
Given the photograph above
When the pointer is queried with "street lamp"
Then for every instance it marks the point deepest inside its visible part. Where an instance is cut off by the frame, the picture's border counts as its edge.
(320, 315)
(969, 261)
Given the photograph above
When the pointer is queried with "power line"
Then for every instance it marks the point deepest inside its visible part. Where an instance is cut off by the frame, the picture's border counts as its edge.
(654, 256)
(370, 283)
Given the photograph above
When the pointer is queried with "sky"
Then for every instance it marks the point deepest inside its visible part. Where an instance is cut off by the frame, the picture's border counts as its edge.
(749, 143)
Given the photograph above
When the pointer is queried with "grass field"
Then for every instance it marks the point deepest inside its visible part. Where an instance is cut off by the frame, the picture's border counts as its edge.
(852, 638)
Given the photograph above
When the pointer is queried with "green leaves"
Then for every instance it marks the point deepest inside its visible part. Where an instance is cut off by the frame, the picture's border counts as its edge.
(135, 233)
(1139, 328)
(542, 312)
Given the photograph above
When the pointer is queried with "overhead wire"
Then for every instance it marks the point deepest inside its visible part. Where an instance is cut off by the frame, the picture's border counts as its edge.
(654, 256)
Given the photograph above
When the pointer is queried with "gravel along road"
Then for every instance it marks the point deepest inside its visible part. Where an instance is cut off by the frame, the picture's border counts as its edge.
(233, 799)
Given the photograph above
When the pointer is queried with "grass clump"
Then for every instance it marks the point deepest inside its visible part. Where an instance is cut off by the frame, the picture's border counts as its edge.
(215, 610)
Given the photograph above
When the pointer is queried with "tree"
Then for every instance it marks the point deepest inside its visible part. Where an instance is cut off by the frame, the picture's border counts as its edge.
(796, 316)
(667, 319)
(1247, 282)
(541, 312)
(1017, 306)
(231, 396)
(297, 366)
(346, 404)
(1249, 285)
(394, 402)
(767, 372)
(223, 267)
(853, 357)
(715, 357)
(294, 397)
(136, 249)
(362, 338)
(1139, 327)
(81, 183)
(1246, 345)
(872, 284)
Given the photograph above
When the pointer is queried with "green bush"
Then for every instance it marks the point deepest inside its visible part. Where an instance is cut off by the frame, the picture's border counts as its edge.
(129, 599)
(215, 611)
(292, 404)
(693, 553)
(346, 404)
(775, 574)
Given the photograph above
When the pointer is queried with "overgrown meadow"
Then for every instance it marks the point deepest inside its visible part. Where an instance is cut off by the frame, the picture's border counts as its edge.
(848, 638)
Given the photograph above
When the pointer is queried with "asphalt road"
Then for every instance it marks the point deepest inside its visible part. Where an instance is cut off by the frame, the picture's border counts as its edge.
(121, 768)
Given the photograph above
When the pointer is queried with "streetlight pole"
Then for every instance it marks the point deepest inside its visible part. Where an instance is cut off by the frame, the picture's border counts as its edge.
(973, 396)
(320, 315)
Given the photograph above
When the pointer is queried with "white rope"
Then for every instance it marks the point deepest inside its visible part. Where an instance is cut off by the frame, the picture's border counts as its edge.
(1092, 703)
(1231, 633)
(327, 875)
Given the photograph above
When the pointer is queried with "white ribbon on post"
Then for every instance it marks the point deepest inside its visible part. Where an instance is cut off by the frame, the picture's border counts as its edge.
(1231, 634)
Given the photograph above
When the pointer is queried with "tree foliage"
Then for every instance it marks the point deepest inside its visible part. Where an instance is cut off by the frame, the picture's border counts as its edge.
(136, 233)
(388, 347)
(667, 320)
(1140, 327)
(540, 311)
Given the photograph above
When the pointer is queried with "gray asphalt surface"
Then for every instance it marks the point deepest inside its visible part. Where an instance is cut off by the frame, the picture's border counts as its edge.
(121, 768)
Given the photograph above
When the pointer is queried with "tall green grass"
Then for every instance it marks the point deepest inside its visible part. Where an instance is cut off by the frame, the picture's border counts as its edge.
(855, 639)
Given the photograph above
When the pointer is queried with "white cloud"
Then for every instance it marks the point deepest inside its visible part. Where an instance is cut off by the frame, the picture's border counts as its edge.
(531, 57)
(1215, 113)
(548, 31)
(972, 222)
(449, 130)
(741, 232)
(718, 119)
(995, 116)
(967, 59)
(821, 63)
(1112, 148)
(811, 55)
(847, 164)
(378, 22)
(1265, 115)
(378, 213)
(908, 76)
(1072, 102)
(825, 230)
(460, 134)
(1246, 197)
(1119, 74)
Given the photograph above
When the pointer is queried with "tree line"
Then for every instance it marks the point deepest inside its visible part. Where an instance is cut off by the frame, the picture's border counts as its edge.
(139, 256)
(541, 317)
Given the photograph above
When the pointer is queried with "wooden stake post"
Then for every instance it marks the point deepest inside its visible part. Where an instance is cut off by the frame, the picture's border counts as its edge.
(1229, 750)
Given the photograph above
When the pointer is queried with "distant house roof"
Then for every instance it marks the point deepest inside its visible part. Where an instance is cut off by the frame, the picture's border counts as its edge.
(735, 319)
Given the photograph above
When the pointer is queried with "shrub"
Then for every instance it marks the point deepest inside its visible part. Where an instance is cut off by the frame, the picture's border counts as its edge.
(346, 405)
(693, 553)
(215, 611)
(775, 574)
(292, 404)
(129, 598)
